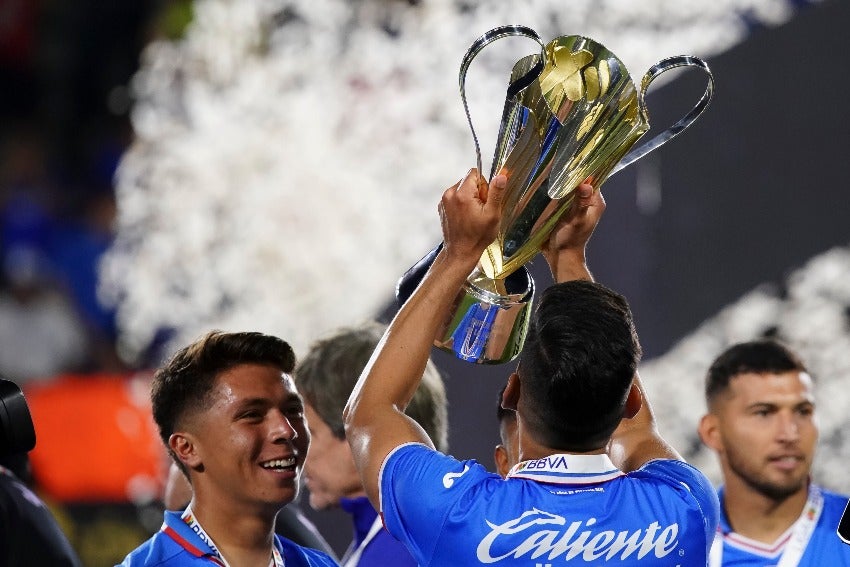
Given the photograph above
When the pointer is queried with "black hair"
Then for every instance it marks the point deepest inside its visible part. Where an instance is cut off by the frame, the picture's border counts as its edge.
(758, 357)
(577, 365)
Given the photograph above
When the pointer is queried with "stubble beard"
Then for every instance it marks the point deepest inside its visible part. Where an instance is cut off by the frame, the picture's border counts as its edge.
(774, 490)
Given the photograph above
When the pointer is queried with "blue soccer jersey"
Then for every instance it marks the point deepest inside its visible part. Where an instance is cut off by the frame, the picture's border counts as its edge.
(578, 509)
(810, 542)
(177, 544)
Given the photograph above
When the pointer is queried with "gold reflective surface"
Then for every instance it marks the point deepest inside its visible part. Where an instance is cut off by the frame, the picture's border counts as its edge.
(573, 123)
(572, 114)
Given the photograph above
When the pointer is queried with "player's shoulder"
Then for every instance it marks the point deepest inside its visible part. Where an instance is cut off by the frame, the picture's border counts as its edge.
(427, 461)
(685, 479)
(674, 469)
(832, 496)
(834, 503)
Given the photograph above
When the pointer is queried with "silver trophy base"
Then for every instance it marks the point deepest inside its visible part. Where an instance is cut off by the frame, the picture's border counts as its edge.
(489, 321)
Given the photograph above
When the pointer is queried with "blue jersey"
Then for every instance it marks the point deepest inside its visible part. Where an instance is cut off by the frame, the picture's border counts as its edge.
(177, 544)
(822, 548)
(577, 509)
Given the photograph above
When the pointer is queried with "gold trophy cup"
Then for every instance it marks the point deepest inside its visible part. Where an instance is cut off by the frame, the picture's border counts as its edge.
(571, 114)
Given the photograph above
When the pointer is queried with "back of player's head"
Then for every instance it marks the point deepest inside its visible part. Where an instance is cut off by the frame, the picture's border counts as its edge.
(185, 382)
(764, 356)
(577, 365)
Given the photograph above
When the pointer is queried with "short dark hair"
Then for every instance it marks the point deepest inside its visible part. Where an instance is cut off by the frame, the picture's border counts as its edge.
(185, 382)
(578, 365)
(328, 373)
(760, 357)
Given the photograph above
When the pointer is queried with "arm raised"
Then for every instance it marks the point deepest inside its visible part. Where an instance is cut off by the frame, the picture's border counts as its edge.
(636, 440)
(375, 422)
(564, 250)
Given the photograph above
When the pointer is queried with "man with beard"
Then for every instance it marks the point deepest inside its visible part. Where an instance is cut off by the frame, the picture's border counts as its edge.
(761, 423)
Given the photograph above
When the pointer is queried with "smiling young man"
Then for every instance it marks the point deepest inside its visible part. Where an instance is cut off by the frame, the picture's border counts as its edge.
(595, 484)
(232, 419)
(761, 423)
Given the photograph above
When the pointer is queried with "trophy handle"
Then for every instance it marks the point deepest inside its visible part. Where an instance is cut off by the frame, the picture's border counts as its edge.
(409, 281)
(680, 126)
(514, 87)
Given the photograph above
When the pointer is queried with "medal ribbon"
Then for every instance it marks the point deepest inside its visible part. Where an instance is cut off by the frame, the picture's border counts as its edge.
(802, 532)
(214, 555)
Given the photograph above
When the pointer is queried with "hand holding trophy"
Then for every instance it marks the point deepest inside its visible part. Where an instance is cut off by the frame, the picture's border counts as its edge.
(572, 114)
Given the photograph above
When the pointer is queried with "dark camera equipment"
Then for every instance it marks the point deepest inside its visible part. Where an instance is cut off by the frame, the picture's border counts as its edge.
(17, 434)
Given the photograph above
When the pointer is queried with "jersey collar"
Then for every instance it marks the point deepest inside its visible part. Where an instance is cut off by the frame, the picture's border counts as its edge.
(567, 469)
(187, 533)
(189, 539)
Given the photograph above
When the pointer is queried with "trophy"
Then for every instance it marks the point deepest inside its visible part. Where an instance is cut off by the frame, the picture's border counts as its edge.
(572, 114)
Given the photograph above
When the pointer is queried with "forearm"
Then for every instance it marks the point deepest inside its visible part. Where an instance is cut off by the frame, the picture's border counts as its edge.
(637, 440)
(396, 367)
(569, 265)
(375, 422)
(564, 250)
(374, 416)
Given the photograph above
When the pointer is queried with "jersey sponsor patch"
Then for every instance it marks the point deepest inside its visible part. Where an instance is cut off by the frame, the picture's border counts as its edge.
(536, 534)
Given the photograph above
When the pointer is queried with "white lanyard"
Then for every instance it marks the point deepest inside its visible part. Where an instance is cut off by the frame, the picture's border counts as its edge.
(804, 527)
(189, 518)
(352, 556)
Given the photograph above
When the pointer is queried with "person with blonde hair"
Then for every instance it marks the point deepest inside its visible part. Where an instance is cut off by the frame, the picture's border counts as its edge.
(325, 377)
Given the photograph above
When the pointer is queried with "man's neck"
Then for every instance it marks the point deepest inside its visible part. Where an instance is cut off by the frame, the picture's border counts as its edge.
(530, 449)
(757, 516)
(243, 539)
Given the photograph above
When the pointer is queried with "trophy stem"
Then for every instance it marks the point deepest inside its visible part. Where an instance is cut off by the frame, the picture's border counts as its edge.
(489, 320)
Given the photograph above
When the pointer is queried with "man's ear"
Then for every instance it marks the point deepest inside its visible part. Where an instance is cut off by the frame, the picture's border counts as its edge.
(500, 455)
(634, 401)
(183, 446)
(510, 397)
(709, 432)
